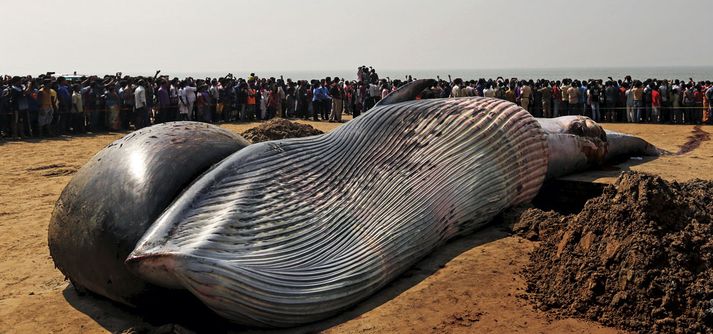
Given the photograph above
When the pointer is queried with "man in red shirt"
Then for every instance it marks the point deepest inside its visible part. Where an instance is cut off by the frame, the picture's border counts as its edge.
(655, 104)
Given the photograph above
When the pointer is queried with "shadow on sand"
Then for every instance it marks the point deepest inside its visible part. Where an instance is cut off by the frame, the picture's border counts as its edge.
(191, 314)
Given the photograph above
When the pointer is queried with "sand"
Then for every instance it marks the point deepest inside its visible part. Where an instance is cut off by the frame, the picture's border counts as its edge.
(471, 285)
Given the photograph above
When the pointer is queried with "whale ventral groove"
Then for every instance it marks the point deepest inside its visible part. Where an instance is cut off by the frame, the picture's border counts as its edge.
(284, 237)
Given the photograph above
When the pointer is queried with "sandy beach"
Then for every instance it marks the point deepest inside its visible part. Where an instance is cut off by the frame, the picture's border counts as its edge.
(473, 284)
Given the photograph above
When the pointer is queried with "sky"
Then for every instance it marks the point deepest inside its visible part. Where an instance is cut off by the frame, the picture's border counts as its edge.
(140, 36)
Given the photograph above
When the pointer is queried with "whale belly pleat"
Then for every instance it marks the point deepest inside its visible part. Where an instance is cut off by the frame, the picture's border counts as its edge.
(292, 231)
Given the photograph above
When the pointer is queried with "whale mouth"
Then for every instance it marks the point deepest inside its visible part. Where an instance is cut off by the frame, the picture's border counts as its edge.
(157, 268)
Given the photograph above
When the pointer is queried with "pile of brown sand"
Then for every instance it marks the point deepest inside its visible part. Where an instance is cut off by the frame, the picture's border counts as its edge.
(639, 257)
(279, 128)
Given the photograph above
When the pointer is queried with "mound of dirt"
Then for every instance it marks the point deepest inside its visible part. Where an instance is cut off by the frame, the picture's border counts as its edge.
(639, 257)
(279, 128)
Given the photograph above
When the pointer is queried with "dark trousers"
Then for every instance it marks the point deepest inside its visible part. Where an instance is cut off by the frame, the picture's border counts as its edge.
(142, 118)
(574, 109)
(164, 115)
(125, 116)
(564, 111)
(326, 108)
(302, 108)
(93, 117)
(317, 108)
(77, 121)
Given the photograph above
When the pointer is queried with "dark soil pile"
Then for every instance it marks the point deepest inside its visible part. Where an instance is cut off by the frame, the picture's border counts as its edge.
(639, 257)
(279, 128)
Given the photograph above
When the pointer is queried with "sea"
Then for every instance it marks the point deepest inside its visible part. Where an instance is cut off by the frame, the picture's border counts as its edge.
(698, 73)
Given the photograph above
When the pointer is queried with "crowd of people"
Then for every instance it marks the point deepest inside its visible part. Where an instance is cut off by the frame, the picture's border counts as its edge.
(633, 101)
(50, 105)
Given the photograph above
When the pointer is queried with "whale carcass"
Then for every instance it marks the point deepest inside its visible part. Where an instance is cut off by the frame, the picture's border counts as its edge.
(292, 231)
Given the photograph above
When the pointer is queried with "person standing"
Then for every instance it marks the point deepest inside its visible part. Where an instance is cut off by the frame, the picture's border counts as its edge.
(489, 91)
(273, 102)
(250, 102)
(173, 96)
(204, 104)
(697, 110)
(373, 95)
(216, 106)
(546, 93)
(665, 101)
(384, 90)
(337, 94)
(630, 106)
(261, 99)
(48, 105)
(320, 99)
(510, 93)
(677, 117)
(709, 98)
(290, 99)
(582, 98)
(593, 94)
(77, 110)
(638, 96)
(113, 103)
(611, 97)
(646, 114)
(360, 99)
(565, 111)
(525, 95)
(301, 97)
(187, 98)
(127, 103)
(573, 99)
(536, 100)
(240, 91)
(140, 110)
(689, 103)
(64, 97)
(164, 102)
(316, 105)
(556, 99)
(456, 90)
(655, 104)
(12, 96)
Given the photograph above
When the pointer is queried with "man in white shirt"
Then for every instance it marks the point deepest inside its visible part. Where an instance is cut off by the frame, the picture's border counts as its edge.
(374, 95)
(456, 91)
(186, 99)
(489, 92)
(142, 114)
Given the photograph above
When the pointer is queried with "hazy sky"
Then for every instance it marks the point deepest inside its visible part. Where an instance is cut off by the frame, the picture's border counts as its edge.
(97, 36)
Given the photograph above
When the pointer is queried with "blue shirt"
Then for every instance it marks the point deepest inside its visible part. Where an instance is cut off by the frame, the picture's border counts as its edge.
(64, 96)
(320, 94)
